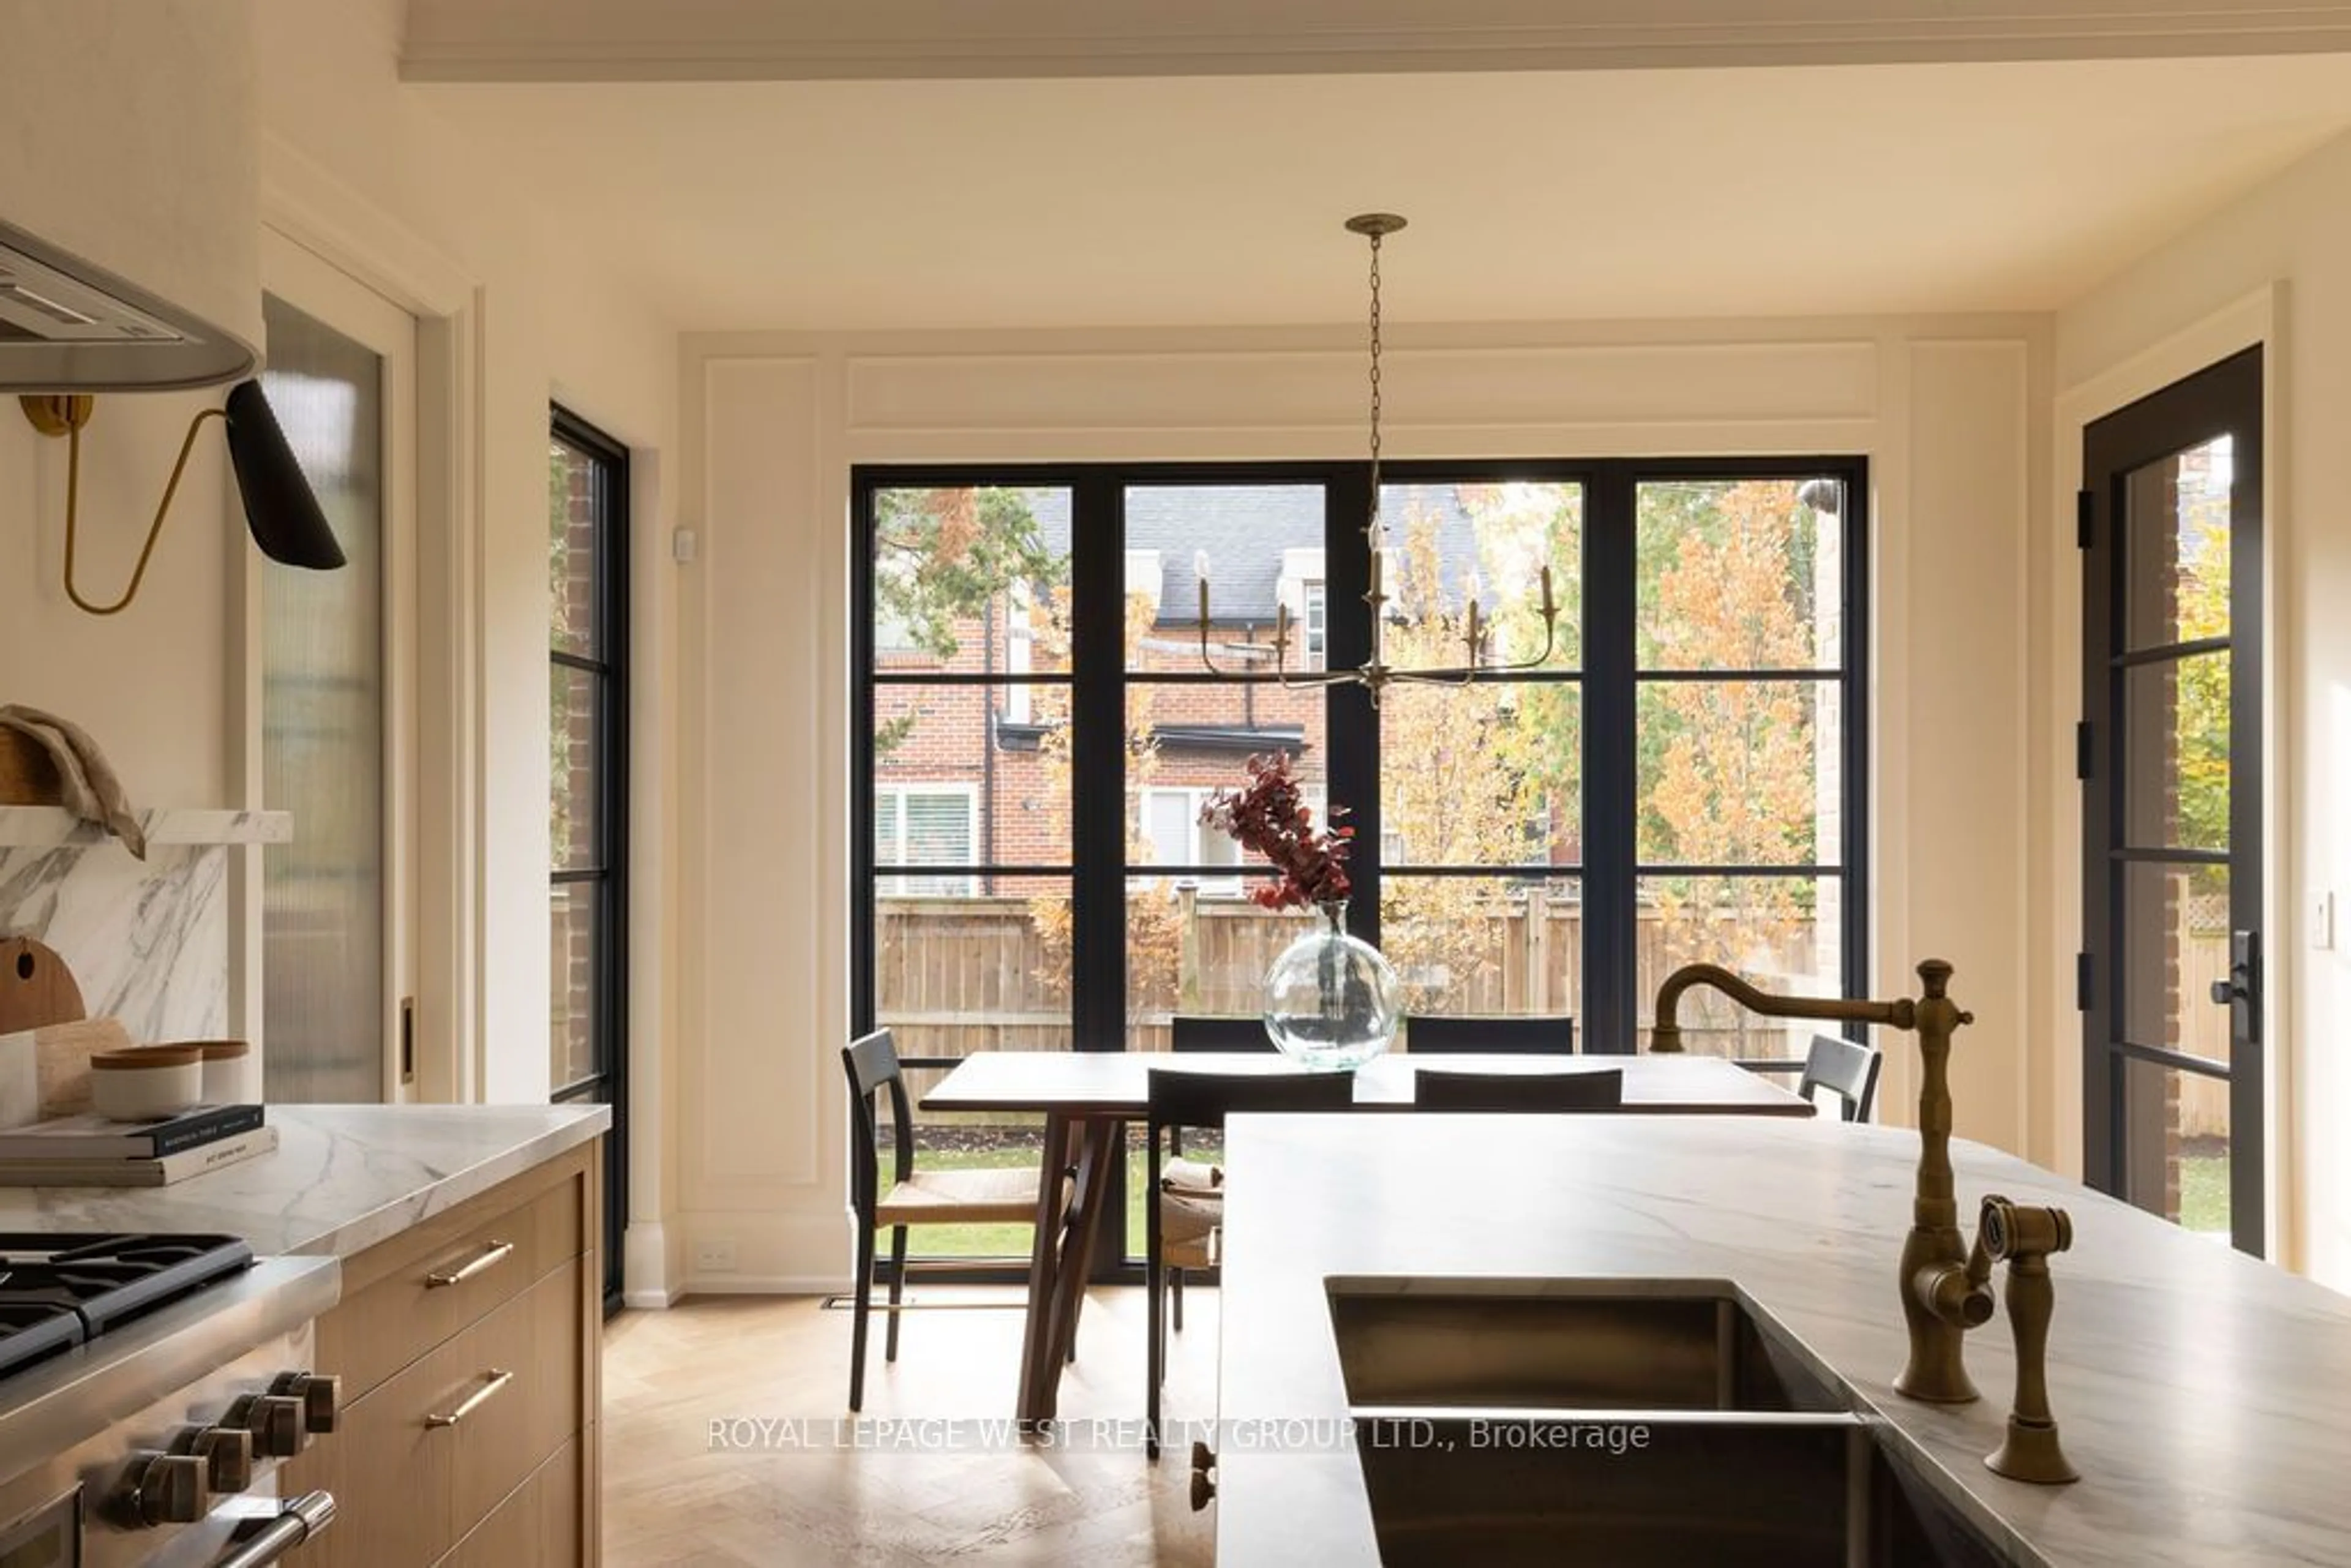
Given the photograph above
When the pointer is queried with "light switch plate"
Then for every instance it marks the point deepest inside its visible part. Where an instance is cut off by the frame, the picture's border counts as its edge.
(2322, 920)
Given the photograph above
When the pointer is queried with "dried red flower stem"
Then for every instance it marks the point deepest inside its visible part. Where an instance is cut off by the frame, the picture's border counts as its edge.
(1268, 816)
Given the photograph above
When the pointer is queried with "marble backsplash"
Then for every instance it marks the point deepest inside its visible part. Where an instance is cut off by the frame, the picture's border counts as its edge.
(147, 940)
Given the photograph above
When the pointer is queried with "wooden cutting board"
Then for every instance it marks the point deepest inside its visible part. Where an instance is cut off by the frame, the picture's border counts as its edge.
(44, 1039)
(36, 990)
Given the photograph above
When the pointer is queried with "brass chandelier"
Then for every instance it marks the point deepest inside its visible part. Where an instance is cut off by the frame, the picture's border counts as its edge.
(1376, 672)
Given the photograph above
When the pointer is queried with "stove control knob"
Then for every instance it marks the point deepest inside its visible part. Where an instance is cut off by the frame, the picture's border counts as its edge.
(227, 1454)
(275, 1422)
(169, 1488)
(321, 1393)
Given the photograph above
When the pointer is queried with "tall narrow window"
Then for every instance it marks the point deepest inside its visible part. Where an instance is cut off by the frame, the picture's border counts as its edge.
(587, 766)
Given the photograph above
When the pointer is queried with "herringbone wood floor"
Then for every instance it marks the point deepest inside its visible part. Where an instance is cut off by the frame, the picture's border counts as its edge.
(674, 1497)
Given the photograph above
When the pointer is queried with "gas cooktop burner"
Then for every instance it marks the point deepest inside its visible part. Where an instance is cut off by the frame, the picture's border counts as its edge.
(58, 1291)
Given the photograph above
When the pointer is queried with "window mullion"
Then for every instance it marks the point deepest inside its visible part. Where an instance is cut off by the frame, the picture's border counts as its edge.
(1610, 785)
(1098, 763)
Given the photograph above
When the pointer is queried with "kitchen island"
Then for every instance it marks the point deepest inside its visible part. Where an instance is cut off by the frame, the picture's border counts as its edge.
(469, 1245)
(2205, 1396)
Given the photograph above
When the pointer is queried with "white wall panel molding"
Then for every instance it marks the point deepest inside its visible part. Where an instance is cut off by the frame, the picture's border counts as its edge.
(1437, 390)
(762, 1084)
(1941, 408)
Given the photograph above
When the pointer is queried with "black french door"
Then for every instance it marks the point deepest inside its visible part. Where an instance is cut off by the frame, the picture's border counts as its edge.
(2172, 968)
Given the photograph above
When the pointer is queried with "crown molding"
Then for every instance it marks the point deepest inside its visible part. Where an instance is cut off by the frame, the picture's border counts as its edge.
(634, 40)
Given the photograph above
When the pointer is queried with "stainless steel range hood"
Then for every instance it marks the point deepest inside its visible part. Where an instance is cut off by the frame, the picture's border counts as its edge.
(129, 195)
(67, 325)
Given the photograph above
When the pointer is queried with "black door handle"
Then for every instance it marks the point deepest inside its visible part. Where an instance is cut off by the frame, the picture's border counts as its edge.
(2239, 991)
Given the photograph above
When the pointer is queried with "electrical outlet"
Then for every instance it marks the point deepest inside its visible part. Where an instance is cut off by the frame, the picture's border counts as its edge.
(715, 1254)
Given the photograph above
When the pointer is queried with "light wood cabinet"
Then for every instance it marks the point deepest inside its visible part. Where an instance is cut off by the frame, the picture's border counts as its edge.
(491, 1313)
(539, 1523)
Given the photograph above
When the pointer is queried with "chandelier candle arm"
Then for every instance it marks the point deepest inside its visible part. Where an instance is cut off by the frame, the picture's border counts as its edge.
(1375, 673)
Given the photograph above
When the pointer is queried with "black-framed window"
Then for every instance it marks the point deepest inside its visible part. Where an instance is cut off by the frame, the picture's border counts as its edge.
(588, 532)
(1681, 776)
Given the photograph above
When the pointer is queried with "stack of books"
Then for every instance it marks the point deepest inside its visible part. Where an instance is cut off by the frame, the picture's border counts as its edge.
(92, 1150)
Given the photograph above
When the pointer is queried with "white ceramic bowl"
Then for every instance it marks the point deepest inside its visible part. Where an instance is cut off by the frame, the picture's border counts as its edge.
(232, 1072)
(146, 1082)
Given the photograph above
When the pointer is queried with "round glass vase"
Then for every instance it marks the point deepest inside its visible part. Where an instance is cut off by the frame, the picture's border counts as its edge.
(1332, 1002)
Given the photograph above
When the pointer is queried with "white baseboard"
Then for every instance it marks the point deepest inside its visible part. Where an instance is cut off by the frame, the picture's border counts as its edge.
(648, 1270)
(650, 1300)
(765, 1284)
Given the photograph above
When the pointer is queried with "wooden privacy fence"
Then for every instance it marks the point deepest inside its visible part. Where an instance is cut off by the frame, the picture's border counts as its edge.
(953, 976)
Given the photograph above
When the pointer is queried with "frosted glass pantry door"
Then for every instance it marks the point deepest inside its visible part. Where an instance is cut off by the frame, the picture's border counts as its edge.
(335, 710)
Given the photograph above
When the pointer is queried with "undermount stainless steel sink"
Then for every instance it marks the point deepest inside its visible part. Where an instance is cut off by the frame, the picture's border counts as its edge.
(1628, 1425)
(1586, 1344)
(1730, 1489)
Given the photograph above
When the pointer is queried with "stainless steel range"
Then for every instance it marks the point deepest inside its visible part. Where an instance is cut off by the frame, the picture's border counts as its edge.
(149, 1387)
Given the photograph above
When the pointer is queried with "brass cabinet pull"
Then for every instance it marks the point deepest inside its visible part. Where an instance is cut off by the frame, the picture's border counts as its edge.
(492, 1253)
(472, 1401)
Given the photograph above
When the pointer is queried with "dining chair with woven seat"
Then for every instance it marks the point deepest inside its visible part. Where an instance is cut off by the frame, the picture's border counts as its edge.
(1189, 1032)
(1434, 1089)
(1178, 1225)
(1518, 1033)
(984, 1196)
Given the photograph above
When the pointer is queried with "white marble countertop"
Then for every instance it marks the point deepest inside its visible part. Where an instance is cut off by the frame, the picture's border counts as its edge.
(53, 827)
(342, 1178)
(2205, 1396)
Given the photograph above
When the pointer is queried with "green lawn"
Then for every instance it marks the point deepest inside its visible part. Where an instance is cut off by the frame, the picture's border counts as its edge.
(1013, 1241)
(2204, 1192)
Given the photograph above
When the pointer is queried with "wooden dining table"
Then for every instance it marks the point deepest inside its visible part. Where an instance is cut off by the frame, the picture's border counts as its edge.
(1088, 1097)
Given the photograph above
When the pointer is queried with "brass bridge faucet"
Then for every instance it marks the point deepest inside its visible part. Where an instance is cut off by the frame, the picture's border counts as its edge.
(1942, 1298)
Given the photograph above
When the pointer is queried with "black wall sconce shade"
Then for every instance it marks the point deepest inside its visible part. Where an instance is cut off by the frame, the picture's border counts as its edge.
(280, 508)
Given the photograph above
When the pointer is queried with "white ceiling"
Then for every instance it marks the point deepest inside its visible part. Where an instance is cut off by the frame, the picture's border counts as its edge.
(1200, 200)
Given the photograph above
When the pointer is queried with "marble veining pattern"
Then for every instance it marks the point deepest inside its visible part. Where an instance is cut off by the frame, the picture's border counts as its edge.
(147, 941)
(2206, 1396)
(343, 1177)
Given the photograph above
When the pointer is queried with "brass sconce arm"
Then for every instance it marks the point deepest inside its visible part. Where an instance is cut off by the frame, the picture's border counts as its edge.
(66, 416)
(280, 509)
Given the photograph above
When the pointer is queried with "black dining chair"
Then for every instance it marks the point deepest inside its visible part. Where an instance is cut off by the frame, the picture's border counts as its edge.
(1179, 1225)
(1434, 1089)
(1847, 1069)
(1454, 1034)
(1194, 1031)
(990, 1196)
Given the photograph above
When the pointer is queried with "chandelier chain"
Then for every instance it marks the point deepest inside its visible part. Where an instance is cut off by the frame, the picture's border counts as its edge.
(1372, 529)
